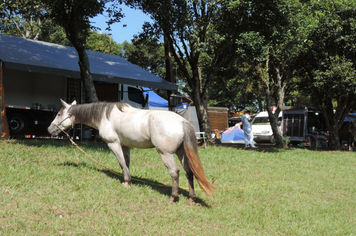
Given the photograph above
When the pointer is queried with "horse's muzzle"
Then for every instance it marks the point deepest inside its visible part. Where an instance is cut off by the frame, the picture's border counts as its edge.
(53, 130)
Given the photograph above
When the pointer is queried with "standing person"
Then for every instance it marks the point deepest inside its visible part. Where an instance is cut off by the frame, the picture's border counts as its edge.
(247, 128)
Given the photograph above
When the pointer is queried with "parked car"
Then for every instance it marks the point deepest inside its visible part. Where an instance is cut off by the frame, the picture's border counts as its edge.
(261, 128)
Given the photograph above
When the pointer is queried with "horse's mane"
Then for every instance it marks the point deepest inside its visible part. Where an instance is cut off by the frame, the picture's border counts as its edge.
(92, 113)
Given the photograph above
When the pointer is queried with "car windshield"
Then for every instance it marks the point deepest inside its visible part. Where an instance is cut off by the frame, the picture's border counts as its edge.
(261, 121)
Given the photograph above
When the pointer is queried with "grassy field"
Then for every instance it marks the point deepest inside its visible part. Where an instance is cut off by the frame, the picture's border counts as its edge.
(45, 190)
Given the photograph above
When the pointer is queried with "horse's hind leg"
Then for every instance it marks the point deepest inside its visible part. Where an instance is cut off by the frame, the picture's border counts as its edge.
(126, 151)
(168, 161)
(118, 151)
(188, 173)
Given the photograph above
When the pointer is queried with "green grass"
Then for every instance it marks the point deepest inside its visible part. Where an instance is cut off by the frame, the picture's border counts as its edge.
(45, 190)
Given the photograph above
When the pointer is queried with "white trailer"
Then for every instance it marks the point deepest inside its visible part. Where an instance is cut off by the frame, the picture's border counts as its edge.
(32, 99)
(37, 74)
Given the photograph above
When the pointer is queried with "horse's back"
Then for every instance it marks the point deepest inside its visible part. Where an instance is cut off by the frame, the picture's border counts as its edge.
(166, 130)
(148, 128)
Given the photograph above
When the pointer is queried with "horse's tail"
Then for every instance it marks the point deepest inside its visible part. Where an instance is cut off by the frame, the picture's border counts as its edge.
(191, 151)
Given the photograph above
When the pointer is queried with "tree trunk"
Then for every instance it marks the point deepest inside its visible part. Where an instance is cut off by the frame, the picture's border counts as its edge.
(274, 119)
(275, 125)
(84, 66)
(76, 25)
(332, 124)
(200, 100)
(270, 87)
(202, 114)
(169, 65)
(334, 139)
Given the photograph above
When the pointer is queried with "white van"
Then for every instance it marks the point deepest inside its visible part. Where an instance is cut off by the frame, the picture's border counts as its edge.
(261, 127)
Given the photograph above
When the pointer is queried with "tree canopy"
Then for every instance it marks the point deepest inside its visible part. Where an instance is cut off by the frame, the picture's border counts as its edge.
(23, 18)
(328, 64)
(193, 36)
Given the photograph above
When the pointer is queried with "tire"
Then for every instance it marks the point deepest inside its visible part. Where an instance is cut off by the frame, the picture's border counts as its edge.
(17, 123)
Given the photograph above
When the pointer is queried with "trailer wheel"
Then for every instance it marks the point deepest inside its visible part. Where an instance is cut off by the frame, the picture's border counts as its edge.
(17, 123)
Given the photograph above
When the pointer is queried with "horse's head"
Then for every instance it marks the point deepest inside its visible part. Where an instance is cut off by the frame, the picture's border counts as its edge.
(63, 119)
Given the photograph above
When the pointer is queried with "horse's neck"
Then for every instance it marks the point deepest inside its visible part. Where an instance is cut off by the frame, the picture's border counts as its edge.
(92, 114)
(83, 114)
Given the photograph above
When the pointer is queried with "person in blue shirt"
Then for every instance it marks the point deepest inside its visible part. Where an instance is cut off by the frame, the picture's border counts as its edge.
(247, 128)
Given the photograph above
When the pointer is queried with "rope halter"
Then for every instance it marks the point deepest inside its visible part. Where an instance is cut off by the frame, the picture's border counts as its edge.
(68, 117)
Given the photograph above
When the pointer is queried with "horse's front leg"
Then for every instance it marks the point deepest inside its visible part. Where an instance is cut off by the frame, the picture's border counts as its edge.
(119, 153)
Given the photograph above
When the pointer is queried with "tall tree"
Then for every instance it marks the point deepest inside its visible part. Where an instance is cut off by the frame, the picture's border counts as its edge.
(148, 53)
(23, 18)
(236, 87)
(272, 43)
(328, 67)
(192, 31)
(73, 16)
(54, 33)
(102, 42)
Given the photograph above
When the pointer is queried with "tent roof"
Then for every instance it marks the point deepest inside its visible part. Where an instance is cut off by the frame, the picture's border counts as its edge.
(233, 135)
(349, 117)
(154, 100)
(42, 57)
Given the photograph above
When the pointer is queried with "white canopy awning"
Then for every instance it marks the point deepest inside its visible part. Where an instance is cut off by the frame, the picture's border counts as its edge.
(42, 57)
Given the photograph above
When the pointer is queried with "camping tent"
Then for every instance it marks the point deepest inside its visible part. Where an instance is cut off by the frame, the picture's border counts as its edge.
(233, 135)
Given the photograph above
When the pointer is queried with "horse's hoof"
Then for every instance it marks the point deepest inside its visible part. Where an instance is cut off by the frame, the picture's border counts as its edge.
(171, 200)
(191, 201)
(126, 184)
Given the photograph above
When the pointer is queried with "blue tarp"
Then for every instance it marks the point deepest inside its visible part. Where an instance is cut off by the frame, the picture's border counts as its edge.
(233, 134)
(352, 115)
(154, 100)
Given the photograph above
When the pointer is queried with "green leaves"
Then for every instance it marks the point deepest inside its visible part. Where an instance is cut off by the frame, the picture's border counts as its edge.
(327, 65)
(22, 18)
(336, 77)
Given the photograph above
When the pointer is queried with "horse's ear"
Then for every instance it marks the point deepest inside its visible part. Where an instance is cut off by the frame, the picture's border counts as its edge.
(74, 103)
(65, 105)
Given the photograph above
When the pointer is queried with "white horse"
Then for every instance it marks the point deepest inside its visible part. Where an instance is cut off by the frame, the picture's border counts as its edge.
(122, 127)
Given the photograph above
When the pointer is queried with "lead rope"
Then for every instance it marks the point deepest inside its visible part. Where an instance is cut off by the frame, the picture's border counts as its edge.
(76, 146)
(118, 174)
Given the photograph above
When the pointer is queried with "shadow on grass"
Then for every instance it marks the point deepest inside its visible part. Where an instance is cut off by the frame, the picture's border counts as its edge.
(261, 147)
(57, 143)
(270, 147)
(139, 181)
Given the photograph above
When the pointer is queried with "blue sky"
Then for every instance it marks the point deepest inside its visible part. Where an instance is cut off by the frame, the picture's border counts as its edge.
(133, 20)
